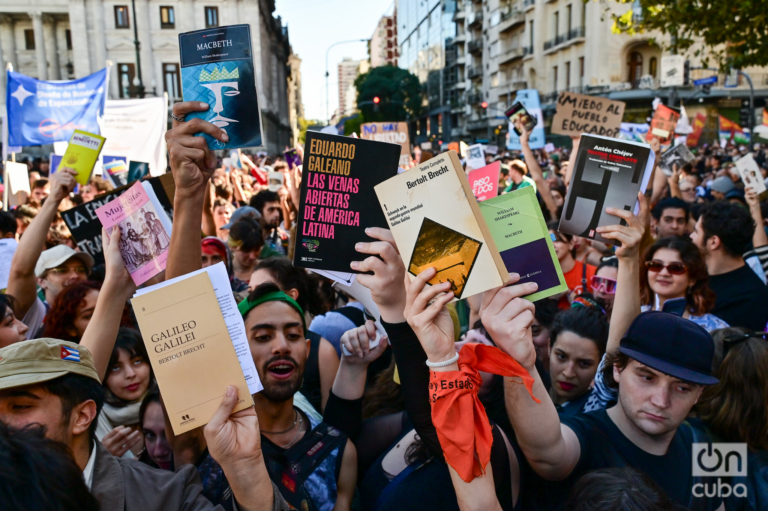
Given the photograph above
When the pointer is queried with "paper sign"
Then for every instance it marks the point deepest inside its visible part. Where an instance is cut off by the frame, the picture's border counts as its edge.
(393, 132)
(577, 114)
(698, 128)
(750, 173)
(492, 149)
(475, 157)
(7, 249)
(672, 70)
(663, 124)
(485, 181)
(18, 177)
(549, 147)
(463, 149)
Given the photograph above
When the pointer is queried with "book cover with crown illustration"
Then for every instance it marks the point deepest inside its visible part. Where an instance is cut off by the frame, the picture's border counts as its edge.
(217, 68)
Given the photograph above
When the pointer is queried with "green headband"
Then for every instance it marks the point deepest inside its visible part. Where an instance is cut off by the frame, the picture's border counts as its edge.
(275, 296)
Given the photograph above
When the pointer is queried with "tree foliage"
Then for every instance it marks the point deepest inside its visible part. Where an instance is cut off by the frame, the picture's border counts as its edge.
(734, 33)
(304, 123)
(398, 90)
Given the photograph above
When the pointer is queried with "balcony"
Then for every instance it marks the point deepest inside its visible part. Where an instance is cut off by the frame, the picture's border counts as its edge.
(479, 124)
(474, 98)
(519, 84)
(527, 51)
(557, 41)
(549, 98)
(575, 33)
(510, 55)
(459, 39)
(476, 20)
(527, 4)
(459, 15)
(510, 20)
(475, 45)
(474, 72)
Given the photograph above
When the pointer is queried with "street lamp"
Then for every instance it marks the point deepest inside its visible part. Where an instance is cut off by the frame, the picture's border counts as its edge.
(137, 81)
(327, 110)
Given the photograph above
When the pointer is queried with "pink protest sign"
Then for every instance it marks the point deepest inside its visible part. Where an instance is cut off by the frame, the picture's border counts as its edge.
(485, 181)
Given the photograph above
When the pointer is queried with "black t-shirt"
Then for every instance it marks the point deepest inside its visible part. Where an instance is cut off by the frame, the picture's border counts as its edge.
(603, 445)
(741, 298)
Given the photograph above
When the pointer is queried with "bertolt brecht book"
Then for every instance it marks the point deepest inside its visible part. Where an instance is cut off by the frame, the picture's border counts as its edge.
(217, 68)
(190, 350)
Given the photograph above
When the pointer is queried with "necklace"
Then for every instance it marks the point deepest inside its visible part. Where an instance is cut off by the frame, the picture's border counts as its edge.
(296, 417)
(295, 438)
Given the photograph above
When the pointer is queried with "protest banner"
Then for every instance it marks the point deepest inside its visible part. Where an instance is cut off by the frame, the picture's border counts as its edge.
(393, 132)
(663, 124)
(578, 113)
(485, 181)
(135, 129)
(731, 132)
(698, 129)
(45, 112)
(530, 100)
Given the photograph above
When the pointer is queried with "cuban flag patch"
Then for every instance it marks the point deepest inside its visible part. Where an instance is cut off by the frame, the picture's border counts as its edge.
(70, 354)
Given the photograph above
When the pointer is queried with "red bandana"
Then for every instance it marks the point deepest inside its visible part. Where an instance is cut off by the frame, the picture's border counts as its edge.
(459, 417)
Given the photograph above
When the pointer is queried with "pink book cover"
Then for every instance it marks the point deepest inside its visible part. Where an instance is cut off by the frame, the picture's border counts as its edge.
(485, 181)
(144, 241)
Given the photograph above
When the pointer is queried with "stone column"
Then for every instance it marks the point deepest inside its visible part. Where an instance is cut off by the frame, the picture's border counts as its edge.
(145, 37)
(100, 42)
(42, 61)
(51, 47)
(8, 38)
(80, 46)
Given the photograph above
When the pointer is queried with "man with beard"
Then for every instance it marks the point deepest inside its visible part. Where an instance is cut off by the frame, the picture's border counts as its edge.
(267, 203)
(313, 464)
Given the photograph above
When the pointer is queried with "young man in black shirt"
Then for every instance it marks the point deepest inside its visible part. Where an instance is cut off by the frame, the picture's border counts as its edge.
(663, 364)
(723, 233)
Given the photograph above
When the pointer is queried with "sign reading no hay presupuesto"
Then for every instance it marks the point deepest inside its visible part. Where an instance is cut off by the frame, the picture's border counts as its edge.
(577, 114)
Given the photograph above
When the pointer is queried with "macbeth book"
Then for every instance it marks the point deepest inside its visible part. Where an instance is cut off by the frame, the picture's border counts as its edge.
(217, 69)
(436, 222)
(337, 200)
(190, 350)
(608, 173)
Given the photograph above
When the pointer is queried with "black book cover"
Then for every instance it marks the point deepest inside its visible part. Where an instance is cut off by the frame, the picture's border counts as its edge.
(608, 173)
(337, 198)
(217, 68)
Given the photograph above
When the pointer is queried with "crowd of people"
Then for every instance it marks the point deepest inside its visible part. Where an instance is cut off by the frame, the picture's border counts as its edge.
(590, 400)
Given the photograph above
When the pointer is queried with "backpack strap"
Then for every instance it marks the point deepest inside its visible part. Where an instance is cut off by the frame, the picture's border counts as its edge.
(311, 385)
(353, 314)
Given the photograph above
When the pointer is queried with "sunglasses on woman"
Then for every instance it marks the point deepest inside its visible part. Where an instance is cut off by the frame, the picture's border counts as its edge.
(603, 284)
(672, 268)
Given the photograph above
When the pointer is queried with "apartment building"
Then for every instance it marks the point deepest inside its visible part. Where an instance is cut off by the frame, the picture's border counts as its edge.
(383, 48)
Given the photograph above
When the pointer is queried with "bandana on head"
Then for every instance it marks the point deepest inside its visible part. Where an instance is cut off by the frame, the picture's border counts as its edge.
(214, 246)
(275, 296)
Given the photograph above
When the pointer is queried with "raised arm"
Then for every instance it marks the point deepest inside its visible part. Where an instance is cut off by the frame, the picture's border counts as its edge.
(192, 164)
(759, 238)
(533, 167)
(209, 225)
(552, 449)
(571, 160)
(626, 305)
(674, 182)
(22, 283)
(100, 335)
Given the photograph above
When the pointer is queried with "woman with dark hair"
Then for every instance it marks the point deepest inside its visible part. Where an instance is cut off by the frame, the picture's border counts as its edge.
(71, 311)
(11, 329)
(674, 268)
(612, 489)
(246, 240)
(129, 378)
(157, 451)
(578, 338)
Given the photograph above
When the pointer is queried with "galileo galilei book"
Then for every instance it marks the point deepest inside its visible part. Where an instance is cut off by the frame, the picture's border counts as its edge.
(608, 173)
(337, 199)
(436, 222)
(217, 68)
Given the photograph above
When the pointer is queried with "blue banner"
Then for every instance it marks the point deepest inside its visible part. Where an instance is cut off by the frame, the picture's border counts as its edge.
(530, 100)
(46, 112)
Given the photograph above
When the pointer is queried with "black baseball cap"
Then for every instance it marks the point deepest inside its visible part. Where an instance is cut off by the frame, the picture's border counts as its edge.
(671, 344)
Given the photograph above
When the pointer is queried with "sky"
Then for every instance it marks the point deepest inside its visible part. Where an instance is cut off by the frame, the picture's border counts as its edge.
(314, 25)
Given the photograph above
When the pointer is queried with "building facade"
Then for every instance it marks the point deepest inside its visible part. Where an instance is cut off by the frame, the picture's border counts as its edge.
(295, 103)
(348, 70)
(383, 49)
(554, 45)
(69, 39)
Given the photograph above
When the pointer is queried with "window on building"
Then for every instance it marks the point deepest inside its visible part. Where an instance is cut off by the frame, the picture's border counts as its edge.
(556, 26)
(583, 14)
(652, 66)
(167, 18)
(567, 75)
(530, 35)
(125, 76)
(211, 17)
(495, 80)
(68, 36)
(581, 71)
(634, 66)
(29, 39)
(554, 78)
(172, 80)
(121, 17)
(569, 11)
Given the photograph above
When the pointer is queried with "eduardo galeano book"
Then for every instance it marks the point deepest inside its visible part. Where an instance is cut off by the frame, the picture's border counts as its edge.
(190, 351)
(217, 68)
(436, 222)
(607, 173)
(337, 198)
(520, 232)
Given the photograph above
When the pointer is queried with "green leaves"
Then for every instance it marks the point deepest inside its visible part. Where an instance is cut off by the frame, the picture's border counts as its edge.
(399, 91)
